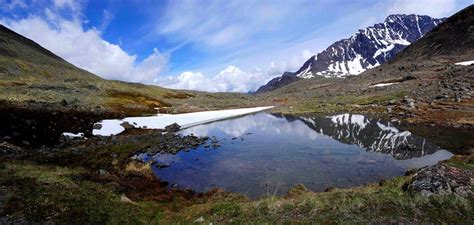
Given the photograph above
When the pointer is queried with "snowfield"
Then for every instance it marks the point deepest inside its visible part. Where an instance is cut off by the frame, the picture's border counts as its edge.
(160, 121)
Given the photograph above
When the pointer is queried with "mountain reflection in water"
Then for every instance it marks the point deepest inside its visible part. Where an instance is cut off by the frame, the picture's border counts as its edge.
(269, 153)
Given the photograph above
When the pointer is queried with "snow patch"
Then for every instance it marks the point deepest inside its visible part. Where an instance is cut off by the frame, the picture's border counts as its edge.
(160, 121)
(304, 74)
(384, 84)
(465, 63)
(73, 135)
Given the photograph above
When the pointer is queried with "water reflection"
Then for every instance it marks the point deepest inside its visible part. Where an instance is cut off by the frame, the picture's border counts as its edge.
(372, 135)
(269, 153)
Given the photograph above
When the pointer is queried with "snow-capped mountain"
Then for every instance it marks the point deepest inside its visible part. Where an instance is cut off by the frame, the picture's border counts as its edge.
(365, 49)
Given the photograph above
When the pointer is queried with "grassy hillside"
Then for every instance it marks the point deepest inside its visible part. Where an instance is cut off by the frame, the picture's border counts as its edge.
(33, 77)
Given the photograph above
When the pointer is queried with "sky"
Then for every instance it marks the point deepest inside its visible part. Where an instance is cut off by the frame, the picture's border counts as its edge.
(216, 46)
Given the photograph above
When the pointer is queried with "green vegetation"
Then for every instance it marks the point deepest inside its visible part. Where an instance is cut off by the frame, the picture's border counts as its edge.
(40, 193)
(46, 193)
(369, 204)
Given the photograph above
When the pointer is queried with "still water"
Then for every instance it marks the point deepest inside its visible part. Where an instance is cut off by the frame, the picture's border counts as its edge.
(266, 154)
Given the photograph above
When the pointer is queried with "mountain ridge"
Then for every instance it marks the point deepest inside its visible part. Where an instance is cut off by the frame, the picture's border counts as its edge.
(366, 49)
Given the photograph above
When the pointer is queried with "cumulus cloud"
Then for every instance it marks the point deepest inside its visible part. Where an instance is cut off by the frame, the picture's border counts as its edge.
(230, 79)
(233, 78)
(434, 8)
(86, 48)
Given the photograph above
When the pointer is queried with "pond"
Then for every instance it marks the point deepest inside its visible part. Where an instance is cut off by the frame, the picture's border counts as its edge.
(267, 154)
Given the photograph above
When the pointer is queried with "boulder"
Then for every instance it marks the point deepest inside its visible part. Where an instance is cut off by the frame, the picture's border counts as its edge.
(441, 179)
(172, 128)
(127, 125)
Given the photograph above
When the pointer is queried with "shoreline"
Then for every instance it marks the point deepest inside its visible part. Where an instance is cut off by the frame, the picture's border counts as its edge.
(106, 161)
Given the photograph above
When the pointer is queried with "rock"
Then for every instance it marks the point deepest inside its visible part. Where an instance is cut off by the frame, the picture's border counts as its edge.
(127, 125)
(97, 126)
(442, 96)
(199, 220)
(389, 110)
(103, 172)
(409, 77)
(329, 189)
(172, 128)
(441, 180)
(63, 102)
(124, 199)
(215, 145)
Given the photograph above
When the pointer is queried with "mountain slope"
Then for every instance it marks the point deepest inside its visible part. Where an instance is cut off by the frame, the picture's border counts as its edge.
(366, 49)
(31, 77)
(421, 84)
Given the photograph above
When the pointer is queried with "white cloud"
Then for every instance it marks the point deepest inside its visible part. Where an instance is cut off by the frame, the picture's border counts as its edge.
(11, 5)
(222, 23)
(230, 79)
(86, 48)
(149, 68)
(434, 8)
(233, 78)
(72, 4)
(107, 18)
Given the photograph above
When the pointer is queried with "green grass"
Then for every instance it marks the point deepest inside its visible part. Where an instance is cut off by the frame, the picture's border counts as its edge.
(368, 204)
(44, 193)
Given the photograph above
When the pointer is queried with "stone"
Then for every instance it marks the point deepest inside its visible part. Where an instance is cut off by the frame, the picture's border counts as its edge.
(127, 125)
(63, 102)
(103, 172)
(199, 220)
(125, 199)
(172, 128)
(441, 180)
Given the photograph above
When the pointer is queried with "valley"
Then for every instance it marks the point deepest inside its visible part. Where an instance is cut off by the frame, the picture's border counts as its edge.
(356, 148)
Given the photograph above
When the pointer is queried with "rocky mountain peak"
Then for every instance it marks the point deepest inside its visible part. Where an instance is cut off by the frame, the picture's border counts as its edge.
(366, 49)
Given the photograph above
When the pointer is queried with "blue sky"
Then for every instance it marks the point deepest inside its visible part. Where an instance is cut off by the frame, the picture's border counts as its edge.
(232, 45)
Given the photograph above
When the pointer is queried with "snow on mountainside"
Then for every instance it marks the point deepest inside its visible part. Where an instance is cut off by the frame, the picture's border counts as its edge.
(365, 49)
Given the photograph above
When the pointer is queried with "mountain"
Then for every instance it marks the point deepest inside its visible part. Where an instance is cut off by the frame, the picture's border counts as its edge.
(422, 84)
(33, 78)
(366, 49)
(286, 78)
